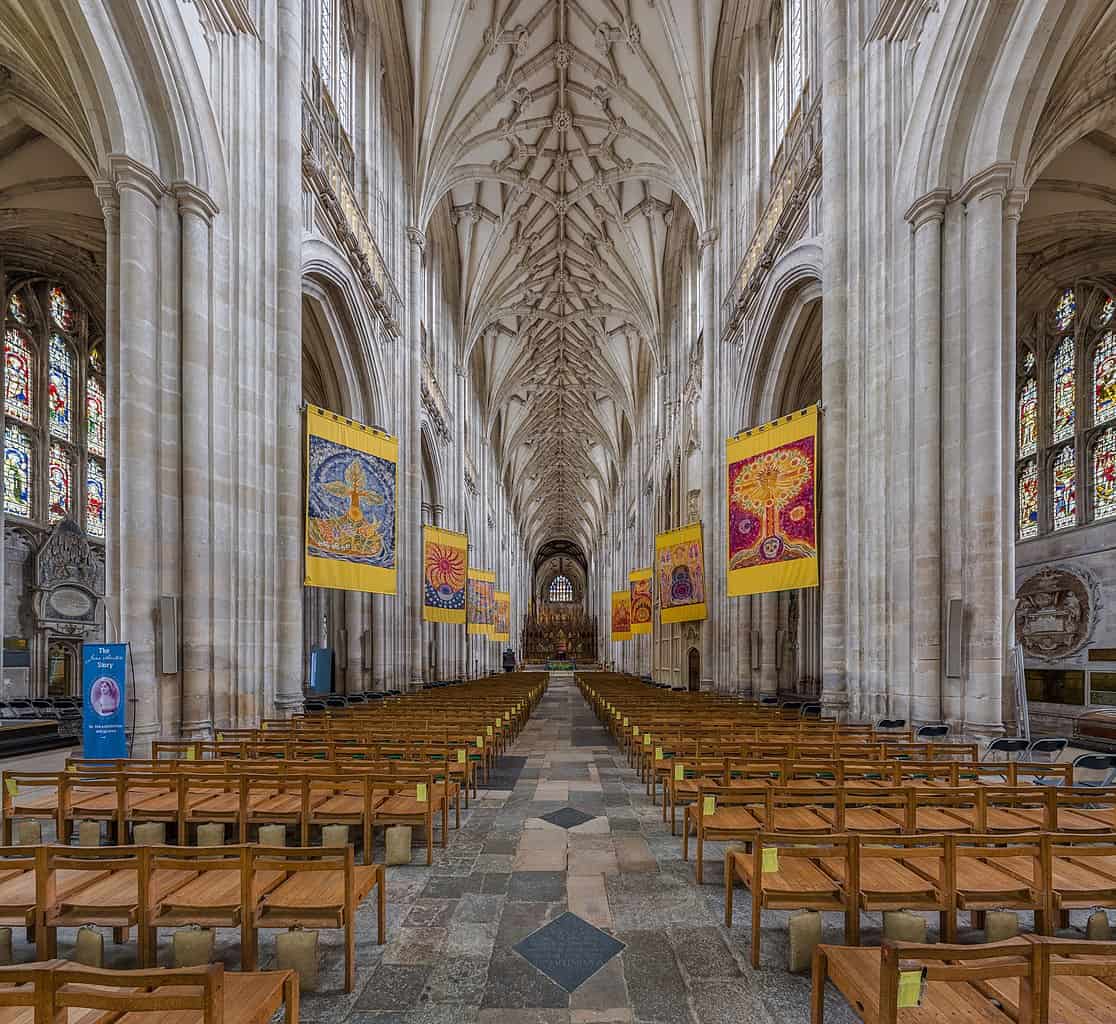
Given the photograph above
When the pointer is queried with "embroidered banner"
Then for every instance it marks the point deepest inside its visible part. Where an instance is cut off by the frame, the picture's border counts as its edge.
(350, 504)
(639, 587)
(501, 627)
(621, 615)
(445, 556)
(680, 571)
(772, 528)
(479, 599)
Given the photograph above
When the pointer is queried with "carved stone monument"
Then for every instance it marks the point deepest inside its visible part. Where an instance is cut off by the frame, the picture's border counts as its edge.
(1056, 611)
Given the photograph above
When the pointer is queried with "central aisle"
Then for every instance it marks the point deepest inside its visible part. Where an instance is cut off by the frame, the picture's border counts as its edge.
(590, 916)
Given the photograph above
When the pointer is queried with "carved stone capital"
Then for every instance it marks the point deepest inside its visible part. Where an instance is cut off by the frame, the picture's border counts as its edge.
(927, 208)
(707, 239)
(131, 174)
(416, 238)
(996, 179)
(192, 200)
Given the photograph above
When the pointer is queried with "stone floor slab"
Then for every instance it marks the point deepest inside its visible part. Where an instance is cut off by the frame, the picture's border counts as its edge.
(569, 950)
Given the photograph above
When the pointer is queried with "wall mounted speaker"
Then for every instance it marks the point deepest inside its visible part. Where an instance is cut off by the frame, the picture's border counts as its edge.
(780, 639)
(953, 639)
(168, 634)
(755, 650)
(342, 649)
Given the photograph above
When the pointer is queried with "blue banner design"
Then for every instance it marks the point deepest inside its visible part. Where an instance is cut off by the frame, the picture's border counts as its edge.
(104, 712)
(321, 670)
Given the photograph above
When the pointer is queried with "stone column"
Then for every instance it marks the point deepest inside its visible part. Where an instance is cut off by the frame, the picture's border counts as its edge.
(710, 460)
(139, 192)
(288, 360)
(769, 629)
(982, 504)
(924, 702)
(409, 527)
(836, 462)
(110, 206)
(196, 211)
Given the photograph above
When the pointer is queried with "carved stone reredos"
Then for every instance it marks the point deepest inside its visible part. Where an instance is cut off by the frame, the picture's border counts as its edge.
(66, 557)
(1057, 612)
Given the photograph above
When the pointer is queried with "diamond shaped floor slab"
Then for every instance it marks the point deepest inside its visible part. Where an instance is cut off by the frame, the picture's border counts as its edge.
(567, 817)
(569, 950)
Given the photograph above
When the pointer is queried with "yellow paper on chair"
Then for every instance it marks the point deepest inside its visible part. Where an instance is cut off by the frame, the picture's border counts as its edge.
(621, 615)
(680, 574)
(772, 525)
(445, 560)
(639, 590)
(351, 518)
(479, 601)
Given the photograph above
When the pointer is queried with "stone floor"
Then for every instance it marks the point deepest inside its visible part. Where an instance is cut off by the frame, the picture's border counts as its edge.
(524, 921)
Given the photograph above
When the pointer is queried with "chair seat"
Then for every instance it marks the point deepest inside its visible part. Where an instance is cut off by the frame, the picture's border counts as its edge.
(870, 819)
(218, 890)
(795, 875)
(731, 819)
(118, 892)
(402, 806)
(306, 892)
(17, 891)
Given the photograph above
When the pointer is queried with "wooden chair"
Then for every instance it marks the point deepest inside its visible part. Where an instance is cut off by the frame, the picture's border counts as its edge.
(191, 995)
(114, 898)
(905, 873)
(321, 888)
(399, 804)
(993, 872)
(737, 814)
(957, 981)
(785, 876)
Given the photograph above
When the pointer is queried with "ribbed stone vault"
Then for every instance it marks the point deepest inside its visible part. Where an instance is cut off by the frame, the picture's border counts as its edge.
(563, 136)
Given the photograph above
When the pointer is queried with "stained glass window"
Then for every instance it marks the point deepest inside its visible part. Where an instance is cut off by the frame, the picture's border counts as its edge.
(561, 590)
(1104, 379)
(1064, 390)
(60, 474)
(17, 472)
(95, 500)
(1108, 310)
(97, 359)
(1028, 501)
(17, 308)
(1064, 489)
(58, 387)
(1104, 475)
(778, 95)
(325, 42)
(1065, 310)
(344, 78)
(18, 375)
(61, 312)
(1028, 361)
(796, 55)
(1028, 418)
(95, 415)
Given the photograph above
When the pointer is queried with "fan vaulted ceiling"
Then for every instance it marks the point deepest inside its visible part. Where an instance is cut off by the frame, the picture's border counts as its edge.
(563, 136)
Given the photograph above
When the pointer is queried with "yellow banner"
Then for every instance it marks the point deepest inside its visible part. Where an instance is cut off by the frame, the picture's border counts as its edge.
(480, 593)
(639, 587)
(445, 559)
(501, 627)
(680, 571)
(772, 524)
(350, 529)
(621, 615)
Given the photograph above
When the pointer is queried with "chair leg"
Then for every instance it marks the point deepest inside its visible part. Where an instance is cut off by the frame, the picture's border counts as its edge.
(381, 908)
(728, 889)
(817, 988)
(429, 840)
(290, 999)
(685, 833)
(350, 954)
(756, 910)
(700, 852)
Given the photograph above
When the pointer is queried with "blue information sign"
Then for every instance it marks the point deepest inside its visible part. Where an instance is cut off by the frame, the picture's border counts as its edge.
(105, 707)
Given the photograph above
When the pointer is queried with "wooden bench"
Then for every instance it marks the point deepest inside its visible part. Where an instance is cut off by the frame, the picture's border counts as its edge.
(55, 991)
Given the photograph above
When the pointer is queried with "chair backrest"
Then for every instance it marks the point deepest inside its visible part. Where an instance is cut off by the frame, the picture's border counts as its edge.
(1095, 763)
(891, 723)
(1048, 749)
(932, 732)
(1007, 746)
(159, 991)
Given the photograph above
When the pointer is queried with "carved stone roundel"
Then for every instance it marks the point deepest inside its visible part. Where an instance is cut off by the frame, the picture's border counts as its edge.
(1054, 614)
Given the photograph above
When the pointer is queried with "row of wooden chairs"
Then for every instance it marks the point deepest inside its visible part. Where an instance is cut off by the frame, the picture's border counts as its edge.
(302, 797)
(1047, 874)
(51, 991)
(734, 813)
(247, 887)
(1027, 980)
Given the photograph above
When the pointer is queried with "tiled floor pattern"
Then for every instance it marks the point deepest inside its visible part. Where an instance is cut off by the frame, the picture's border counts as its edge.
(562, 900)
